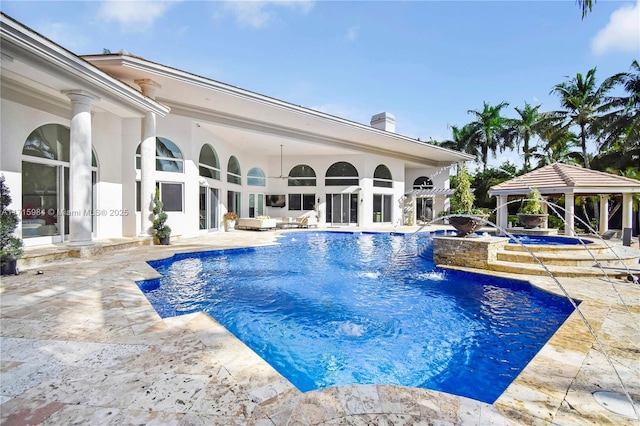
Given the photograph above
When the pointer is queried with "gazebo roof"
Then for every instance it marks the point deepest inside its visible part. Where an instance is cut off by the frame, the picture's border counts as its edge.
(560, 178)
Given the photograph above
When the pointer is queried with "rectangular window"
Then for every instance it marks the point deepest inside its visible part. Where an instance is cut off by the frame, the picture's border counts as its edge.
(138, 191)
(295, 201)
(308, 201)
(302, 201)
(171, 196)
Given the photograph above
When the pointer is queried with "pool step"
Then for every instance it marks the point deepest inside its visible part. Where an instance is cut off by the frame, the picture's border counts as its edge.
(616, 256)
(559, 270)
(593, 260)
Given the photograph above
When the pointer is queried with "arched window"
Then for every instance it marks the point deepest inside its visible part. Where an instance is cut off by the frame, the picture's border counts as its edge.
(256, 177)
(423, 182)
(382, 177)
(302, 175)
(341, 174)
(234, 174)
(168, 156)
(208, 163)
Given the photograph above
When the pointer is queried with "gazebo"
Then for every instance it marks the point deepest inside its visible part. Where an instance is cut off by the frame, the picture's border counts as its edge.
(569, 181)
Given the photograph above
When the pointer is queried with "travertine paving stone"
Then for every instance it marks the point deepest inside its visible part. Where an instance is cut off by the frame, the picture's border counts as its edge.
(80, 344)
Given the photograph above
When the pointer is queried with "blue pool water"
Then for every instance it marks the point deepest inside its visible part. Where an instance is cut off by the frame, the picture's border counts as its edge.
(549, 240)
(329, 309)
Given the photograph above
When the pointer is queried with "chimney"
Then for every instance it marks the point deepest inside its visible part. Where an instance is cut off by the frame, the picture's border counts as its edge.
(384, 121)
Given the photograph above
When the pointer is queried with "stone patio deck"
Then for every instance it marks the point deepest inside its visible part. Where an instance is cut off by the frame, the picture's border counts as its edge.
(80, 344)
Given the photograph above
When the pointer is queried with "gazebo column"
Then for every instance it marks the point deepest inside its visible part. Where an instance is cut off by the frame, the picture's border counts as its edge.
(627, 219)
(604, 214)
(502, 213)
(569, 214)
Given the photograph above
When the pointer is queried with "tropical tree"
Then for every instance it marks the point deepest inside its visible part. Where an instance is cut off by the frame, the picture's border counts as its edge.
(531, 122)
(584, 104)
(560, 147)
(461, 140)
(483, 181)
(621, 127)
(586, 6)
(490, 132)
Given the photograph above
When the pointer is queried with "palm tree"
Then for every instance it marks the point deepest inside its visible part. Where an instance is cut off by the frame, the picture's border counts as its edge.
(529, 123)
(584, 104)
(559, 148)
(461, 140)
(586, 6)
(622, 126)
(490, 132)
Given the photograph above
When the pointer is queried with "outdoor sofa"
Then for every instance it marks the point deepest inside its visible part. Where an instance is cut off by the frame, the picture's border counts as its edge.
(260, 223)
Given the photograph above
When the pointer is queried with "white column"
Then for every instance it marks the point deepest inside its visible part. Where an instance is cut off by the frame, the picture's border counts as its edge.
(569, 214)
(147, 160)
(627, 211)
(80, 214)
(604, 214)
(503, 213)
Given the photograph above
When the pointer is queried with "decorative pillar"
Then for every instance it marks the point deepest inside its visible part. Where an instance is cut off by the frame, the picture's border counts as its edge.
(569, 214)
(503, 213)
(80, 215)
(627, 211)
(147, 160)
(604, 214)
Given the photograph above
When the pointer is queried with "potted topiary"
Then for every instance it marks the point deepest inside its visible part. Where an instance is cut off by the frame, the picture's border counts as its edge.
(10, 245)
(230, 219)
(531, 214)
(466, 218)
(161, 230)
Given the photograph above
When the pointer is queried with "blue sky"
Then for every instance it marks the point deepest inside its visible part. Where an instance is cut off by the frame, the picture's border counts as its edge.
(427, 62)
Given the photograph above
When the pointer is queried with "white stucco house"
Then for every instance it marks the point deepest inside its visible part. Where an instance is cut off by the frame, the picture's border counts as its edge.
(85, 142)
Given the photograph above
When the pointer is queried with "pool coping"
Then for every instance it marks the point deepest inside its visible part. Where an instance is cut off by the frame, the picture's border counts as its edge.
(555, 387)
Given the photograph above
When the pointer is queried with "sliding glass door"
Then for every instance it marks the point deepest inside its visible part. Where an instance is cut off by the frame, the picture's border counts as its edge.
(342, 209)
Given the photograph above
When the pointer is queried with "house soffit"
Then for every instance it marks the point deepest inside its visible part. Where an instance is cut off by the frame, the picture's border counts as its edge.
(229, 108)
(40, 65)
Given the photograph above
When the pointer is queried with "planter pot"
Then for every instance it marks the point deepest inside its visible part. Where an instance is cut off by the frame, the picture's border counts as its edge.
(229, 225)
(164, 241)
(9, 267)
(532, 221)
(466, 225)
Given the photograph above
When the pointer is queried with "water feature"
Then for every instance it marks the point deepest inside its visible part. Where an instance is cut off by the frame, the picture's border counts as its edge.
(631, 405)
(327, 308)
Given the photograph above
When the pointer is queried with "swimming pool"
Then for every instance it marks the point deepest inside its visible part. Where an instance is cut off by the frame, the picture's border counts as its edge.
(326, 309)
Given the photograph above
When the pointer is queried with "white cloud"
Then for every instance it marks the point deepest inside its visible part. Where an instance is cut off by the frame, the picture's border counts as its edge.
(352, 33)
(137, 15)
(258, 14)
(621, 33)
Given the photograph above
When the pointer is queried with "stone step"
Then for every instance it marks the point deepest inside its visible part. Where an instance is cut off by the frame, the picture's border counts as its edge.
(593, 248)
(616, 257)
(556, 270)
(41, 255)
